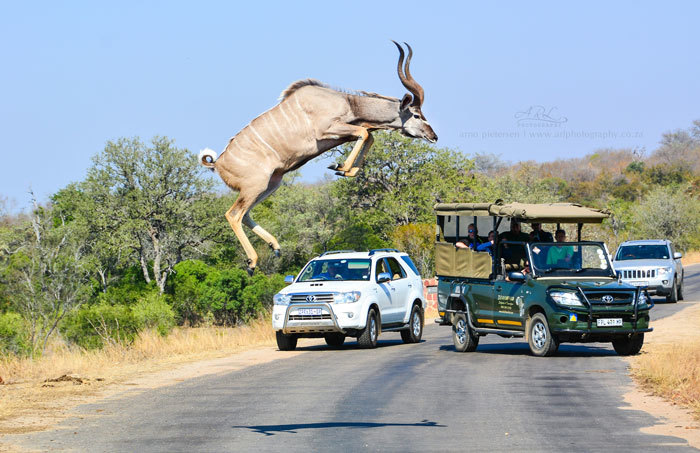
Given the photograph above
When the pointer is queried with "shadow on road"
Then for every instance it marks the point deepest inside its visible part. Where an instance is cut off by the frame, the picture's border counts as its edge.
(271, 430)
(565, 350)
(351, 346)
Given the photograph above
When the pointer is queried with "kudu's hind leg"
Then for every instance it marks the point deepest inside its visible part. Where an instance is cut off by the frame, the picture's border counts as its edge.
(274, 184)
(235, 217)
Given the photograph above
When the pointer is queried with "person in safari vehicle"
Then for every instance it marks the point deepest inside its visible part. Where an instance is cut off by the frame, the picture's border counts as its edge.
(560, 255)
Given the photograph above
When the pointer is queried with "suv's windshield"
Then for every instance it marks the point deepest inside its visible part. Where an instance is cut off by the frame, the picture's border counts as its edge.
(570, 259)
(642, 252)
(336, 269)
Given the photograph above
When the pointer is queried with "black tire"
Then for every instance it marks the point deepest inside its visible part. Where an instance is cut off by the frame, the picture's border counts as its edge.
(463, 337)
(415, 326)
(539, 337)
(286, 342)
(369, 335)
(629, 346)
(680, 289)
(673, 297)
(334, 340)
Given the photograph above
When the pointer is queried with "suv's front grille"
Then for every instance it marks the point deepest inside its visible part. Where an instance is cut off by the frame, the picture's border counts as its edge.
(321, 298)
(638, 273)
(618, 297)
(309, 317)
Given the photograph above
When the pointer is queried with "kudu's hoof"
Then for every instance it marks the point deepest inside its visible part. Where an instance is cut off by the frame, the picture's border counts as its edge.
(340, 173)
(250, 270)
(333, 166)
(277, 253)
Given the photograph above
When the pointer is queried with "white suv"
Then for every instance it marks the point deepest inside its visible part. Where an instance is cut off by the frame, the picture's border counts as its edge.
(654, 264)
(351, 294)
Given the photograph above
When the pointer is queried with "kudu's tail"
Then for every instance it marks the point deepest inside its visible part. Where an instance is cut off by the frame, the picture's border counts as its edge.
(207, 157)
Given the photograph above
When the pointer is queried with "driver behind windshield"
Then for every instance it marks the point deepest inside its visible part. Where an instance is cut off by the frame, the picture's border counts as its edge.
(333, 271)
(560, 256)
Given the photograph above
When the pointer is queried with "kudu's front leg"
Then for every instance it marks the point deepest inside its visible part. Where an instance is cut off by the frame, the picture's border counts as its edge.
(363, 143)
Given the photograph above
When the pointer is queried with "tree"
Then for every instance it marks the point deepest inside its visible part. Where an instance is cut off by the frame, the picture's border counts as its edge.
(45, 272)
(418, 240)
(401, 180)
(668, 213)
(154, 199)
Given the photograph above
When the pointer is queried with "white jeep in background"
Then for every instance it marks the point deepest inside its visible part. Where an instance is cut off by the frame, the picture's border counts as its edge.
(653, 264)
(351, 294)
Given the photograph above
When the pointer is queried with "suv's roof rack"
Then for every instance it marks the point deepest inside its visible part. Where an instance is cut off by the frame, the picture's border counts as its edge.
(373, 251)
(331, 252)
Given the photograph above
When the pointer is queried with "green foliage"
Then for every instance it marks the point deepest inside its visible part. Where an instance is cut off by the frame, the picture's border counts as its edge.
(418, 240)
(356, 236)
(97, 325)
(14, 335)
(668, 213)
(228, 295)
(153, 312)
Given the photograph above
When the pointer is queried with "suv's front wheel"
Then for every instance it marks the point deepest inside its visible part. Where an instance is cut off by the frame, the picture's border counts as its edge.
(539, 337)
(673, 297)
(368, 337)
(415, 326)
(286, 342)
(463, 337)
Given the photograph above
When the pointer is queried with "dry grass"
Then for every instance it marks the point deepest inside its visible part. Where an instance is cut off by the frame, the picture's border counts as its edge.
(669, 365)
(692, 257)
(26, 390)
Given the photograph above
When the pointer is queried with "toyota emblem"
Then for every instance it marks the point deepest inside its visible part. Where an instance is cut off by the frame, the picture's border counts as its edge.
(608, 299)
(312, 298)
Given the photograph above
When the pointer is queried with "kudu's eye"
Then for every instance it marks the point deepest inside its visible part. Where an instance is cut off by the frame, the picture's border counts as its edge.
(416, 116)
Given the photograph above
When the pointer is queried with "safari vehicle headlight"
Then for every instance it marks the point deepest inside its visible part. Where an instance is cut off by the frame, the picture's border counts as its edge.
(347, 298)
(281, 299)
(664, 270)
(643, 298)
(566, 298)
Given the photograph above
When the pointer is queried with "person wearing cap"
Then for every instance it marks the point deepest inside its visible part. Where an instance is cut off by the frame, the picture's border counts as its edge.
(515, 234)
(539, 235)
(472, 240)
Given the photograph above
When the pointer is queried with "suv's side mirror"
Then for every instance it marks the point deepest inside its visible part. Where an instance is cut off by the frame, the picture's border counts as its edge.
(677, 255)
(516, 276)
(383, 277)
(289, 279)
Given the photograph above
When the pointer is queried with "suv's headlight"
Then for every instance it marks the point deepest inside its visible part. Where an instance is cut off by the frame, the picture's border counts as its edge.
(664, 270)
(566, 298)
(281, 299)
(347, 298)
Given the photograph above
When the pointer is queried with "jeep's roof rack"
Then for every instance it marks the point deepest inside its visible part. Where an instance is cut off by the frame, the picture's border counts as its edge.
(331, 252)
(373, 251)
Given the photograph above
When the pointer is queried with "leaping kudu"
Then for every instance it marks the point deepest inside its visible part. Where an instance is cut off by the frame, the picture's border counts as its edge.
(311, 118)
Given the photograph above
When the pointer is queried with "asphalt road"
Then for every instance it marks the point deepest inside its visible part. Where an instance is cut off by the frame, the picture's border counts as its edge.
(423, 397)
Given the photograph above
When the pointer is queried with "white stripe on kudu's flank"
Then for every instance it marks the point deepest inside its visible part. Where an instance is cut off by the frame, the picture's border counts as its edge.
(285, 115)
(264, 142)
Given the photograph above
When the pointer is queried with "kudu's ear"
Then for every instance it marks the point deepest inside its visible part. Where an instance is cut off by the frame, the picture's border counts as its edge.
(406, 101)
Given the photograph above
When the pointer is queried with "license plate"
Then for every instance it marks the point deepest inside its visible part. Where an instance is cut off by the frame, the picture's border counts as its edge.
(309, 311)
(609, 322)
(639, 283)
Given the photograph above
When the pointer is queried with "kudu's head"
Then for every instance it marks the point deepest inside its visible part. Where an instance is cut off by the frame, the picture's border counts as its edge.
(413, 123)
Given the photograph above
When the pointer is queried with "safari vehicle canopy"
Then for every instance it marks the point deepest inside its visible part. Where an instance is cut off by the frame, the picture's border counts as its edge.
(454, 218)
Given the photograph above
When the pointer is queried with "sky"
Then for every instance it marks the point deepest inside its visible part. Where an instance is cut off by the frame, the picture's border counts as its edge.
(521, 80)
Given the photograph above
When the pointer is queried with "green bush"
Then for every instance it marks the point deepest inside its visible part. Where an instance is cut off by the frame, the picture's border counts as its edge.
(14, 337)
(96, 325)
(153, 312)
(199, 290)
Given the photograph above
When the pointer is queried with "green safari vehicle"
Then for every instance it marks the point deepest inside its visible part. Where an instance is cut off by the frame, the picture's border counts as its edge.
(524, 286)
